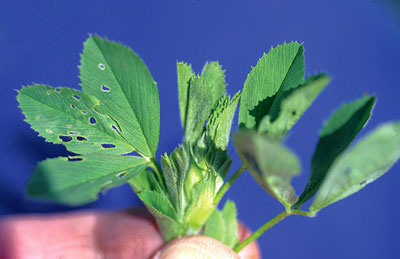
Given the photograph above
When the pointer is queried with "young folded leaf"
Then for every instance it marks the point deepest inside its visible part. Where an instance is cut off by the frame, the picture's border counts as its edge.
(161, 208)
(198, 109)
(219, 124)
(281, 69)
(336, 135)
(270, 163)
(66, 116)
(201, 204)
(370, 158)
(170, 174)
(289, 106)
(185, 74)
(214, 76)
(198, 95)
(127, 93)
(79, 180)
(223, 226)
(175, 167)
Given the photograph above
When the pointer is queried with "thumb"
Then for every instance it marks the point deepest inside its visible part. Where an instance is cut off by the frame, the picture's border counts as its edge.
(196, 247)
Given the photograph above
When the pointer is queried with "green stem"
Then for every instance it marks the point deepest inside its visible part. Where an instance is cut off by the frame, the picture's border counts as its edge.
(261, 230)
(157, 169)
(302, 213)
(228, 184)
(269, 225)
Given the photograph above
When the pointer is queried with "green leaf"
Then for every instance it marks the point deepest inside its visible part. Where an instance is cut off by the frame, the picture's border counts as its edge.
(171, 179)
(145, 181)
(370, 158)
(220, 122)
(199, 108)
(214, 76)
(231, 225)
(281, 69)
(290, 106)
(66, 116)
(79, 179)
(336, 135)
(126, 90)
(180, 160)
(215, 226)
(270, 163)
(161, 208)
(201, 205)
(185, 73)
(203, 93)
(223, 226)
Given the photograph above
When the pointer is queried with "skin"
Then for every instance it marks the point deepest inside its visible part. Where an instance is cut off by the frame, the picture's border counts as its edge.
(94, 234)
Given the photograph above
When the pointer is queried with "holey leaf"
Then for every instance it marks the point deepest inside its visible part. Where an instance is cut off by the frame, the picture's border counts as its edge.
(78, 180)
(270, 163)
(370, 158)
(116, 76)
(281, 69)
(290, 106)
(336, 135)
(67, 116)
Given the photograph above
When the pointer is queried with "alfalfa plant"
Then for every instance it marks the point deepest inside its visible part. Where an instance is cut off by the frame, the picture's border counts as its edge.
(113, 125)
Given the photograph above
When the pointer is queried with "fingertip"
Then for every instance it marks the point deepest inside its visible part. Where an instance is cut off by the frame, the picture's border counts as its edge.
(196, 247)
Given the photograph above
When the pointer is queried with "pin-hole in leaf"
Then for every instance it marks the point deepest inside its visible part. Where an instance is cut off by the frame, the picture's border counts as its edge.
(60, 116)
(79, 180)
(126, 91)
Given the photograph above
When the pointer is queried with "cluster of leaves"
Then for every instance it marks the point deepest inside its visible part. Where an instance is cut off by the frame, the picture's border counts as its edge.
(113, 125)
(274, 97)
(117, 113)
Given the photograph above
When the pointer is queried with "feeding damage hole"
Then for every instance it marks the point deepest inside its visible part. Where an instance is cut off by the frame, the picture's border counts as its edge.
(84, 112)
(101, 66)
(73, 106)
(75, 159)
(76, 97)
(49, 92)
(57, 90)
(104, 88)
(92, 120)
(116, 130)
(107, 145)
(122, 174)
(49, 131)
(65, 138)
(73, 133)
(80, 138)
(69, 126)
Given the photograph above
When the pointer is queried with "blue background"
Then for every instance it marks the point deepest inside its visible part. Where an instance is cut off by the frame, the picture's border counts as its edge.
(356, 41)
